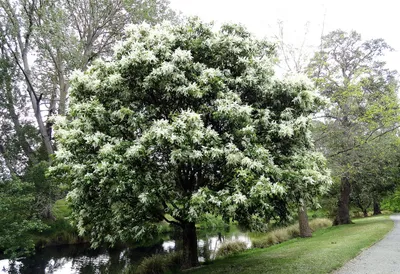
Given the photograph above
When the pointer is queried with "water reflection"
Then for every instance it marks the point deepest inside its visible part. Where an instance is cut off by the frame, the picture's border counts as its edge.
(83, 260)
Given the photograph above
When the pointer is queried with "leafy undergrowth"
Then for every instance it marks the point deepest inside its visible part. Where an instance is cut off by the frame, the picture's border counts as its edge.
(59, 231)
(326, 251)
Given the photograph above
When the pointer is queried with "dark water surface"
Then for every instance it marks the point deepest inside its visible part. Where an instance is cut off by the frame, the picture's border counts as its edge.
(83, 260)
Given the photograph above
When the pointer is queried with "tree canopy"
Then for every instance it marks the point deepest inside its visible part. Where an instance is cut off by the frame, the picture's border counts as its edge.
(350, 72)
(43, 42)
(184, 121)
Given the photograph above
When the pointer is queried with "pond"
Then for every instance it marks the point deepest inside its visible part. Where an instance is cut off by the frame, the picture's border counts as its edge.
(83, 260)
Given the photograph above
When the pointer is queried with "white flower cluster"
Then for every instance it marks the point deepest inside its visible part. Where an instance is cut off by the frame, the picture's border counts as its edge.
(188, 120)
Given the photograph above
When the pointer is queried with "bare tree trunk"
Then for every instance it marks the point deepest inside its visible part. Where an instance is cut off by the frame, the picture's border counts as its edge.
(23, 38)
(42, 127)
(64, 85)
(190, 258)
(305, 230)
(35, 100)
(365, 212)
(17, 125)
(6, 160)
(343, 213)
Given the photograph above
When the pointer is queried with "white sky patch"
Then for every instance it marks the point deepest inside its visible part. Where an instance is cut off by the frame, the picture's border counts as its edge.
(372, 19)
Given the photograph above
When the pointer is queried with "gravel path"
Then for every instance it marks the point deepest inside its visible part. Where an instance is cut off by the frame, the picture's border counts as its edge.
(383, 257)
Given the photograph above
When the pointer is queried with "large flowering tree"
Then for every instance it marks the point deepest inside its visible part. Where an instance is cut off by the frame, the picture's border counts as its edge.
(182, 121)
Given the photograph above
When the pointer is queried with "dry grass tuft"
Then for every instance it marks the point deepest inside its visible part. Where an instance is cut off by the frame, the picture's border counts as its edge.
(158, 264)
(284, 234)
(319, 223)
(231, 247)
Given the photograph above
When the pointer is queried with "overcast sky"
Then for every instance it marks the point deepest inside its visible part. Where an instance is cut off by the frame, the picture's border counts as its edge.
(373, 19)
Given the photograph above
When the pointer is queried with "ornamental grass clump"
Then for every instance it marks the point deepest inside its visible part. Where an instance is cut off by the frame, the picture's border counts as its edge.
(293, 230)
(159, 263)
(319, 223)
(281, 235)
(284, 234)
(230, 247)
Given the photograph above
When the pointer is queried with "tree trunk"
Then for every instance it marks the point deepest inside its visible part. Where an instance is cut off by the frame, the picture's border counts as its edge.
(22, 141)
(305, 230)
(6, 160)
(24, 46)
(63, 84)
(343, 214)
(42, 127)
(377, 208)
(190, 258)
(365, 212)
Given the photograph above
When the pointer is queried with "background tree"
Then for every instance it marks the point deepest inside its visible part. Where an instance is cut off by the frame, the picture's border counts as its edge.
(293, 57)
(41, 42)
(364, 107)
(293, 60)
(18, 136)
(185, 121)
(375, 173)
(46, 40)
(19, 218)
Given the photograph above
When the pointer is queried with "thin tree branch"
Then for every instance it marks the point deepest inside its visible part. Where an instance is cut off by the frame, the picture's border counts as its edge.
(369, 139)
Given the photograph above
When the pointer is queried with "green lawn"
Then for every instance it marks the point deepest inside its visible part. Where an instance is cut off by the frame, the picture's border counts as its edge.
(326, 251)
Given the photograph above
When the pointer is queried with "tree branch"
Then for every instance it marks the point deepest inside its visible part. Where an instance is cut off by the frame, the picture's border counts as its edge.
(171, 221)
(369, 139)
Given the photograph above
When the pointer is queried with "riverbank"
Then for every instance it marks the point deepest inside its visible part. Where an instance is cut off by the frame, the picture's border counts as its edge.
(326, 251)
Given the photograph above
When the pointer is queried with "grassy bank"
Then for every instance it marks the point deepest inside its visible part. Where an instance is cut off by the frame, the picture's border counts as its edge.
(326, 251)
(59, 230)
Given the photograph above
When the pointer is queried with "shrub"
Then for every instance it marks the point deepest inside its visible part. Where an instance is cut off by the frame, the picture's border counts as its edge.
(230, 248)
(18, 218)
(158, 264)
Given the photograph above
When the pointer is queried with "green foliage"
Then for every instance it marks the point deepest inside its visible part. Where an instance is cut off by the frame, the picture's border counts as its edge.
(18, 218)
(164, 227)
(182, 121)
(351, 73)
(46, 192)
(377, 171)
(211, 222)
(61, 209)
(392, 202)
(159, 264)
(229, 248)
(60, 230)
